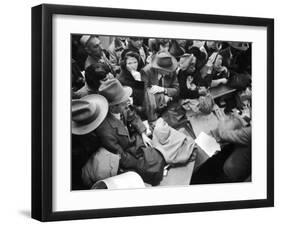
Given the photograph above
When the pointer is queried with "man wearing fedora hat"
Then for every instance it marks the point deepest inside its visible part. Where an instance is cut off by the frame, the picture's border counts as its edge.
(123, 133)
(87, 114)
(160, 81)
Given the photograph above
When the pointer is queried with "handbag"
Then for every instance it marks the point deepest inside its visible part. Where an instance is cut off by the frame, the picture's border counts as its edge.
(151, 166)
(149, 162)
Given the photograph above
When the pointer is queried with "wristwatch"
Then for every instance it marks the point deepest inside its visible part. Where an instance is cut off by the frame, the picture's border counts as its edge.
(165, 91)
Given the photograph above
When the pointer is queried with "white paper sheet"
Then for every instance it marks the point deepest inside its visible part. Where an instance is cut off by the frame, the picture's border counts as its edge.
(207, 143)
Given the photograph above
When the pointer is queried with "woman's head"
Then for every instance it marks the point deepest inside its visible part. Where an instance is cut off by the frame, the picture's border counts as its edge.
(200, 56)
(95, 74)
(188, 63)
(131, 62)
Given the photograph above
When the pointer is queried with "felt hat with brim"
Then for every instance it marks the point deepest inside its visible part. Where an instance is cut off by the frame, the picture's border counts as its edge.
(88, 113)
(164, 61)
(243, 46)
(114, 92)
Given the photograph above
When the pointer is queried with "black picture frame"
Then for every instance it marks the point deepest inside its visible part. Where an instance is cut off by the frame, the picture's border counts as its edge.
(42, 107)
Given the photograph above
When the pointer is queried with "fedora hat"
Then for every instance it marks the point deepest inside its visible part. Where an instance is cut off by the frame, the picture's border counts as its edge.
(88, 113)
(164, 61)
(114, 92)
(243, 46)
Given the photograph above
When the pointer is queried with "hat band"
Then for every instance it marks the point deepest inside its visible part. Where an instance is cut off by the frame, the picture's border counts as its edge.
(119, 98)
(89, 119)
(165, 62)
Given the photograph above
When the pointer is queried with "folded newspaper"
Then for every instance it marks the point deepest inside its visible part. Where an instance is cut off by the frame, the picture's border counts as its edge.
(207, 143)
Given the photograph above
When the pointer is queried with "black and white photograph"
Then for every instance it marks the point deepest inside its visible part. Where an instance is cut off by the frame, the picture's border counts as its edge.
(149, 112)
(141, 112)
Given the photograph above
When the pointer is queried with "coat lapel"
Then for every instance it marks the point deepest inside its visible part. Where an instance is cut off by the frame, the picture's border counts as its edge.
(118, 125)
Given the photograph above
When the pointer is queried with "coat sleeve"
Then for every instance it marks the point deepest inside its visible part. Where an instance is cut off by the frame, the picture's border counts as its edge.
(113, 60)
(173, 90)
(239, 136)
(145, 77)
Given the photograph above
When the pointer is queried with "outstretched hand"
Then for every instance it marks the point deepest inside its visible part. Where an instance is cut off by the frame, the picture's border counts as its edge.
(156, 89)
(146, 140)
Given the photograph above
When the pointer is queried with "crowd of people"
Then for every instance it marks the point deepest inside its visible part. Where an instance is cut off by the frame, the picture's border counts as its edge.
(115, 88)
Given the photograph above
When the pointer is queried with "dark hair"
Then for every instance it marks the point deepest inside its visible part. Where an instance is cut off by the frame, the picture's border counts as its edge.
(200, 56)
(77, 78)
(135, 38)
(95, 73)
(155, 44)
(127, 55)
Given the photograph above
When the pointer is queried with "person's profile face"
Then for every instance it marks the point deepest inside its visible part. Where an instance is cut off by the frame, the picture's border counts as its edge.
(94, 47)
(136, 42)
(164, 47)
(188, 64)
(211, 44)
(181, 42)
(218, 62)
(122, 107)
(131, 64)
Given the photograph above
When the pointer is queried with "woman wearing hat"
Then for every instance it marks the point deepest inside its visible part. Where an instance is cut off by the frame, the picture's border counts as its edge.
(123, 133)
(160, 82)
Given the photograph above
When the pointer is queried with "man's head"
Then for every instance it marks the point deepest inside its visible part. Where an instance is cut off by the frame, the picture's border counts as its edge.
(119, 108)
(213, 45)
(136, 42)
(116, 95)
(92, 45)
(163, 44)
(164, 62)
